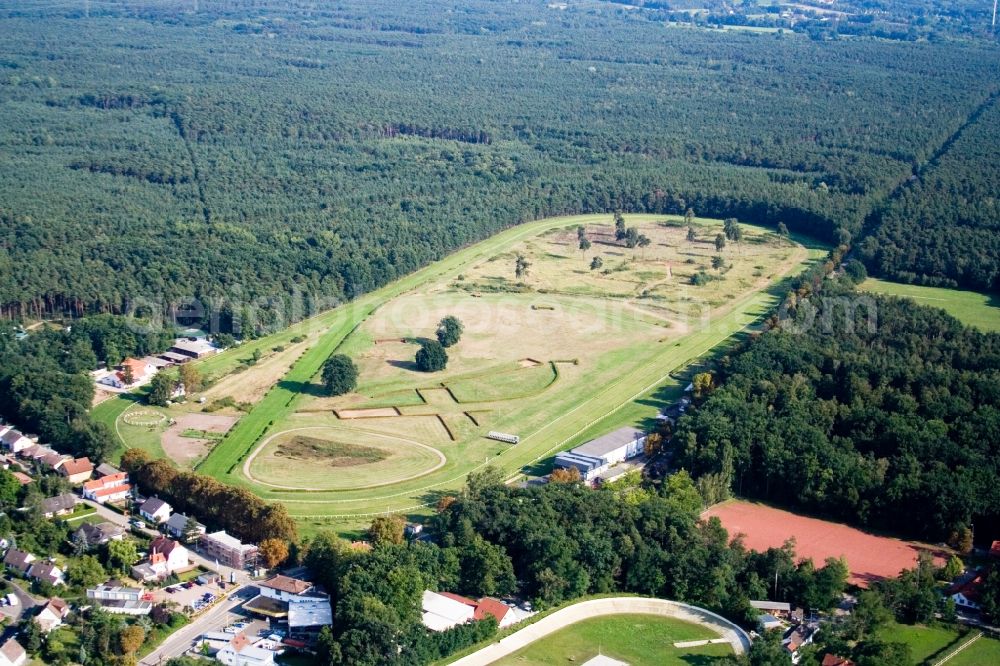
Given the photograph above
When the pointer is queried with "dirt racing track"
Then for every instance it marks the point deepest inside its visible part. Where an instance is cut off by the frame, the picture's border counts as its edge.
(585, 610)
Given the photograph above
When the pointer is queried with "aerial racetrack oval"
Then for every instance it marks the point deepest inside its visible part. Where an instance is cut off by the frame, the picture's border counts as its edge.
(325, 459)
(724, 630)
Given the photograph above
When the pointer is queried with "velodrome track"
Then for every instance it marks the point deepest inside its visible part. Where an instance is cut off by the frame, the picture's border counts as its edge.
(585, 610)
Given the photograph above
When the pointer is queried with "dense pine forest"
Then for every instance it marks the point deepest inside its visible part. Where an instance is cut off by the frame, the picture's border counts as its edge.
(152, 153)
(868, 409)
(943, 228)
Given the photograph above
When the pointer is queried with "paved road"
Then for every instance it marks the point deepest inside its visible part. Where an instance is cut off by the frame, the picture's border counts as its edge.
(736, 637)
(118, 519)
(26, 602)
(212, 620)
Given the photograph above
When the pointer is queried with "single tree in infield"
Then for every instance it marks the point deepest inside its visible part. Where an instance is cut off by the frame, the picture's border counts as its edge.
(718, 263)
(581, 232)
(449, 331)
(619, 227)
(596, 263)
(783, 230)
(521, 267)
(190, 378)
(431, 357)
(643, 242)
(340, 375)
(584, 246)
(689, 216)
(161, 388)
(691, 237)
(720, 243)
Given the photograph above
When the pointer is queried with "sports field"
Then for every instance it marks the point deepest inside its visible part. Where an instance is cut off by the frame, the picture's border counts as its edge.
(869, 557)
(639, 640)
(969, 307)
(557, 356)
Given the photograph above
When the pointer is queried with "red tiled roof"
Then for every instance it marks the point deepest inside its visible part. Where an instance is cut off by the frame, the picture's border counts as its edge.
(459, 598)
(971, 589)
(109, 480)
(491, 606)
(111, 490)
(78, 466)
(162, 544)
(834, 660)
(287, 584)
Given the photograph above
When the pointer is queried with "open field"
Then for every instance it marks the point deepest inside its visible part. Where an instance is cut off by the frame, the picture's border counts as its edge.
(869, 557)
(928, 644)
(558, 357)
(969, 307)
(640, 640)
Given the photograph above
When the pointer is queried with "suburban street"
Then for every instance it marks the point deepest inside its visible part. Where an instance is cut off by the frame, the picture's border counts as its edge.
(123, 521)
(13, 613)
(180, 641)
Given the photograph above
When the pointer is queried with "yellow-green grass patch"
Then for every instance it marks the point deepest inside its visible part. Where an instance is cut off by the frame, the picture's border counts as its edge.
(969, 307)
(639, 640)
(320, 458)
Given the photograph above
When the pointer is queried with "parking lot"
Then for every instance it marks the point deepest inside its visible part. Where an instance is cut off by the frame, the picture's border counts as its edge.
(188, 594)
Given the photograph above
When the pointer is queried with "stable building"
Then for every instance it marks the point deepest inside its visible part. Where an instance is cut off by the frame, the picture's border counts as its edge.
(597, 456)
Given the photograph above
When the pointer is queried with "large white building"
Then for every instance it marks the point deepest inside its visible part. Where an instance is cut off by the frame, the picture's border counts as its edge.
(441, 613)
(597, 455)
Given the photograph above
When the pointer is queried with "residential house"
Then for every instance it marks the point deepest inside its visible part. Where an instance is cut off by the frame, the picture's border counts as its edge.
(104, 469)
(177, 527)
(53, 461)
(120, 600)
(165, 557)
(12, 654)
(967, 595)
(240, 652)
(227, 550)
(18, 560)
(52, 614)
(47, 572)
(140, 371)
(834, 660)
(441, 612)
(59, 505)
(487, 606)
(110, 488)
(99, 534)
(77, 470)
(293, 600)
(796, 638)
(155, 510)
(15, 442)
(22, 478)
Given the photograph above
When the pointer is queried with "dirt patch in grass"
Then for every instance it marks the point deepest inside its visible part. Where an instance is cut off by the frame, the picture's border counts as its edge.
(184, 449)
(251, 385)
(332, 454)
(374, 412)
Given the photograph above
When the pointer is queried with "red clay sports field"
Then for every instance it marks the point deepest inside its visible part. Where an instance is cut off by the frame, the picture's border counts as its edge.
(869, 557)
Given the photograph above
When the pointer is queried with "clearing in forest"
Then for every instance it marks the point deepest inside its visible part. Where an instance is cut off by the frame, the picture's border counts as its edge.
(557, 355)
(969, 307)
